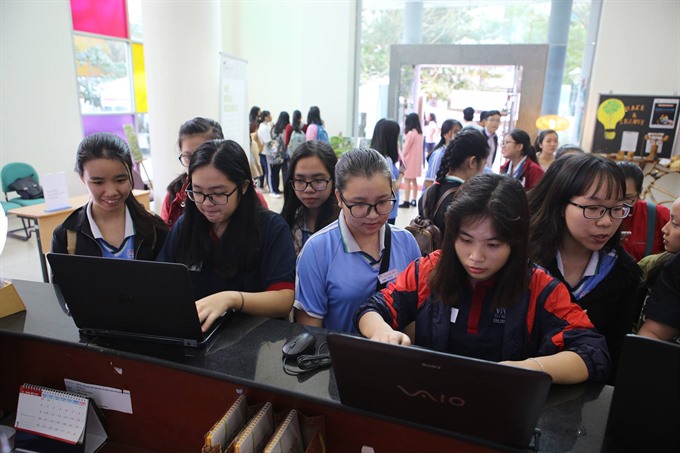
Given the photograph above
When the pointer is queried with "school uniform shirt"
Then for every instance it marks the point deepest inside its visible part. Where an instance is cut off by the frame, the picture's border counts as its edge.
(612, 303)
(527, 172)
(276, 268)
(334, 276)
(637, 223)
(395, 175)
(543, 322)
(493, 162)
(88, 240)
(434, 163)
(663, 304)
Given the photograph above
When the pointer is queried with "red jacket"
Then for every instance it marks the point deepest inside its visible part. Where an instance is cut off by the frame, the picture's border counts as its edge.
(531, 173)
(636, 223)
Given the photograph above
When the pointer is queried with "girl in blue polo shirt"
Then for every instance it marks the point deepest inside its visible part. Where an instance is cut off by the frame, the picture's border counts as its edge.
(480, 296)
(347, 261)
(241, 254)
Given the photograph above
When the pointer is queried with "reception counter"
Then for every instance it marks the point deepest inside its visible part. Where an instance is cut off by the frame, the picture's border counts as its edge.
(178, 393)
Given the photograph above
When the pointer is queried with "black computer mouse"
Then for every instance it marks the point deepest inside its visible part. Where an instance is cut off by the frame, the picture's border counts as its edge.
(299, 345)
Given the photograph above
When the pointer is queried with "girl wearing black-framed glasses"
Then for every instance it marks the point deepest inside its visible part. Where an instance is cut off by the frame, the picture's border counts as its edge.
(348, 260)
(241, 254)
(308, 202)
(577, 209)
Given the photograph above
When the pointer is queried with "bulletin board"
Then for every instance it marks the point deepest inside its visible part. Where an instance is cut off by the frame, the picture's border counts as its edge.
(644, 125)
(233, 107)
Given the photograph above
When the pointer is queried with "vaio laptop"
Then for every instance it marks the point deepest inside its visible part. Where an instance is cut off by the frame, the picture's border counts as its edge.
(469, 396)
(130, 299)
(645, 410)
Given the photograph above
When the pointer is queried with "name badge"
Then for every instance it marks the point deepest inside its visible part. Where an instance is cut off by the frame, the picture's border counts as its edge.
(454, 314)
(388, 276)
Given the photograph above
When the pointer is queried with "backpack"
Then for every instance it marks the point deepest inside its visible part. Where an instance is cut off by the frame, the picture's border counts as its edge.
(27, 188)
(427, 234)
(296, 139)
(321, 134)
(276, 150)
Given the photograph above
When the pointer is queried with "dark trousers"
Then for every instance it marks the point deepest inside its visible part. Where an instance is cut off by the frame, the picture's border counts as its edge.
(274, 170)
(265, 170)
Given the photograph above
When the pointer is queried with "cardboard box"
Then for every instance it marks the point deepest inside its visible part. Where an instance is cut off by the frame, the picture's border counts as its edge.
(10, 302)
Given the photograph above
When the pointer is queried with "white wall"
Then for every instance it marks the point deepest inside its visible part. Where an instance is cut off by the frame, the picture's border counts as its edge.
(39, 115)
(299, 54)
(637, 52)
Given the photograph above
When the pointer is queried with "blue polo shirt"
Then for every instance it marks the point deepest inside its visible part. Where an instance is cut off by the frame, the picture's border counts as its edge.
(334, 276)
(435, 163)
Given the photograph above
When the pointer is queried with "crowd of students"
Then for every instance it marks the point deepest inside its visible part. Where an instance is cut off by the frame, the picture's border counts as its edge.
(532, 271)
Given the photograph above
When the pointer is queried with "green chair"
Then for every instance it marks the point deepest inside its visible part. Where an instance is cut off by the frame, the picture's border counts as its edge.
(10, 173)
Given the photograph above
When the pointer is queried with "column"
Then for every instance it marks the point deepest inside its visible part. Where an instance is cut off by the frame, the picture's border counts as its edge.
(182, 42)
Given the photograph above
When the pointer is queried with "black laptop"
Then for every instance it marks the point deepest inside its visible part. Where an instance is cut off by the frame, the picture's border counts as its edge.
(130, 299)
(645, 410)
(469, 396)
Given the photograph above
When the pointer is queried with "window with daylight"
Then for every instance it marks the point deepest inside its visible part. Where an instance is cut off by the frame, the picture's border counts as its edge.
(109, 55)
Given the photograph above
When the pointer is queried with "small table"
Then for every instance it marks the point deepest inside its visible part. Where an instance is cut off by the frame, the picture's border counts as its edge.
(46, 222)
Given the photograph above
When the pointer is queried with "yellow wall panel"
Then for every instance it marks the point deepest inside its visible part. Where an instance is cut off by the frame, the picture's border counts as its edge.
(139, 78)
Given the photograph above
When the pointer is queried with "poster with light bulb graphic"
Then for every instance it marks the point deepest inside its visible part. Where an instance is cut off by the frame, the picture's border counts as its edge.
(644, 126)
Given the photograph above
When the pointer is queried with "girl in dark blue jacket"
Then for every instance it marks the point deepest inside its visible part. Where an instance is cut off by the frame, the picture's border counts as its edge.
(479, 296)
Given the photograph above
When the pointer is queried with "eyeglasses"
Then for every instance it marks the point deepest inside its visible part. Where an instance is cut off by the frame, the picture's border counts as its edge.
(597, 212)
(360, 210)
(507, 143)
(300, 185)
(215, 198)
(185, 159)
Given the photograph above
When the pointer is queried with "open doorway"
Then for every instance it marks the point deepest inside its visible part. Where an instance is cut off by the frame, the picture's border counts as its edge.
(525, 64)
(446, 90)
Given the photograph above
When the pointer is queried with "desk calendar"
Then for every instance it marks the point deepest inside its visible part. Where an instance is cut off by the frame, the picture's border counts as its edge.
(53, 415)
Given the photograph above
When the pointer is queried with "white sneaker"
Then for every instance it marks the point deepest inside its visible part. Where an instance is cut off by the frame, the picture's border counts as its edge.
(275, 195)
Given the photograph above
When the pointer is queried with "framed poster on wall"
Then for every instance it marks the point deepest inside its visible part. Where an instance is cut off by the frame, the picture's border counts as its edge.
(644, 125)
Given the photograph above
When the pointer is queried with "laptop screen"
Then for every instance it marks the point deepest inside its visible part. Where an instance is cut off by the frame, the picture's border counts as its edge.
(645, 409)
(129, 299)
(460, 394)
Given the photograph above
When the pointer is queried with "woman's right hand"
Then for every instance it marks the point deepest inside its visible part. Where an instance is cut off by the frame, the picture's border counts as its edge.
(391, 337)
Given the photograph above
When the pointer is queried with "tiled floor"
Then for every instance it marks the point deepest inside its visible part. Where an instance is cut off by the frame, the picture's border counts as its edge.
(19, 259)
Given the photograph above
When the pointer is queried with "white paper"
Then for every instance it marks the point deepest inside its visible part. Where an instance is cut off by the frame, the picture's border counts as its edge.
(55, 191)
(629, 141)
(106, 397)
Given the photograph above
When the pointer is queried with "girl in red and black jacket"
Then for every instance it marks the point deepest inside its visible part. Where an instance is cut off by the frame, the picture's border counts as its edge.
(479, 296)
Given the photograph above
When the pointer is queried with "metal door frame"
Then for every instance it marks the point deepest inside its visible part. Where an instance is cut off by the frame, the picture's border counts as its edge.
(532, 57)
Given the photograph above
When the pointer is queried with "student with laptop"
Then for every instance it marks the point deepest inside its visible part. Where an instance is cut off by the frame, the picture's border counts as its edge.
(479, 296)
(113, 223)
(242, 254)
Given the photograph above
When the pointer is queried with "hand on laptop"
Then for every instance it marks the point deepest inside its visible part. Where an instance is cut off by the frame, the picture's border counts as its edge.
(392, 337)
(216, 305)
(373, 327)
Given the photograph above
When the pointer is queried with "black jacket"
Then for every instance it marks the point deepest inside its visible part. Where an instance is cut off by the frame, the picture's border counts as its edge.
(86, 244)
(612, 305)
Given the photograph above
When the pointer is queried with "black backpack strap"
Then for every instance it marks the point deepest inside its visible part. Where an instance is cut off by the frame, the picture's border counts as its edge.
(385, 261)
(441, 200)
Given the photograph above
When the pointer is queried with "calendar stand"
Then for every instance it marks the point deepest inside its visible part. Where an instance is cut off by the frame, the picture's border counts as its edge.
(54, 421)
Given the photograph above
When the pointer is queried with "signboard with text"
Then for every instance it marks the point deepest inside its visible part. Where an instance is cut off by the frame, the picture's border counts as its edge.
(643, 125)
